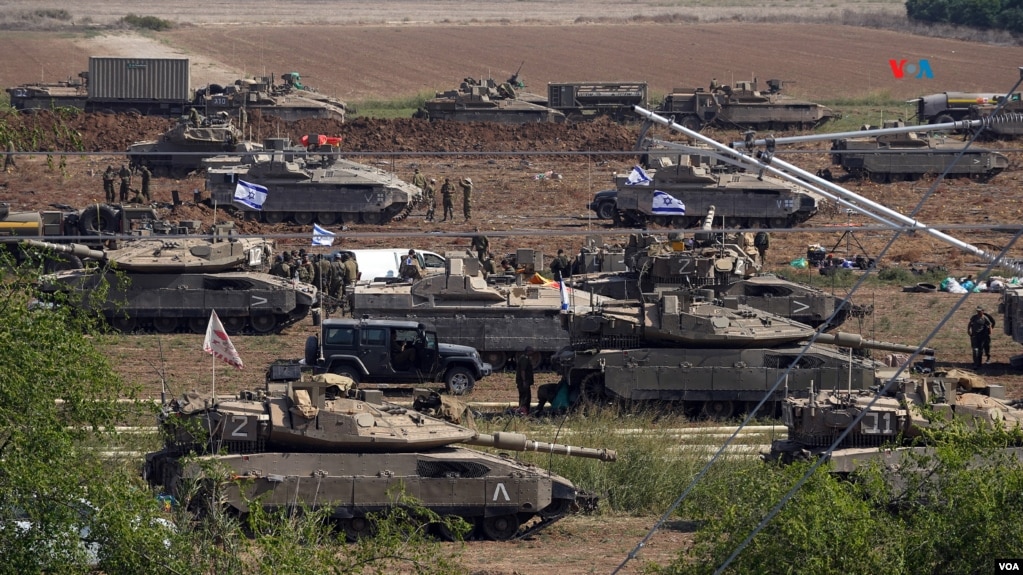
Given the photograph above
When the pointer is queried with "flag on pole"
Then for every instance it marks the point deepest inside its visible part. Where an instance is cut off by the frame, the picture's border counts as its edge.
(564, 295)
(667, 204)
(637, 177)
(251, 195)
(322, 237)
(218, 344)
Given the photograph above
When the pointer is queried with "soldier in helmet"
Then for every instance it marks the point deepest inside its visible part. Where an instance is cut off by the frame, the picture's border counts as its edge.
(419, 180)
(445, 191)
(466, 185)
(125, 176)
(979, 330)
(109, 177)
(524, 379)
(430, 197)
(481, 244)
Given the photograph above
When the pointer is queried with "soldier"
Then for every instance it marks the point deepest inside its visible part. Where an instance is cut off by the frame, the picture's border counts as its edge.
(481, 244)
(146, 176)
(351, 269)
(108, 184)
(9, 162)
(979, 330)
(430, 197)
(445, 191)
(524, 379)
(321, 272)
(488, 265)
(280, 269)
(305, 270)
(714, 84)
(466, 185)
(409, 269)
(560, 266)
(419, 180)
(193, 117)
(762, 241)
(337, 279)
(125, 176)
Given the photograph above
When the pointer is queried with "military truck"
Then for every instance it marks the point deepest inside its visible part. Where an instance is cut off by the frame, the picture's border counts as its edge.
(390, 352)
(950, 106)
(898, 157)
(742, 106)
(587, 100)
(99, 220)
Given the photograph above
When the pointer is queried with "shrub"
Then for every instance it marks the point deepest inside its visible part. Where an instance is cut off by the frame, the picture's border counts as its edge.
(146, 23)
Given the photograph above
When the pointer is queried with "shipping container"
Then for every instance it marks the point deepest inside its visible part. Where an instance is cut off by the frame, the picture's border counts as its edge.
(139, 79)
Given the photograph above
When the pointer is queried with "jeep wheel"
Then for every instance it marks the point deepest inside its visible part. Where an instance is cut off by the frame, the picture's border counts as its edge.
(606, 210)
(347, 371)
(459, 381)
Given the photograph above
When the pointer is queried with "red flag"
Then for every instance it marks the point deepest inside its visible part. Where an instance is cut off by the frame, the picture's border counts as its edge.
(218, 344)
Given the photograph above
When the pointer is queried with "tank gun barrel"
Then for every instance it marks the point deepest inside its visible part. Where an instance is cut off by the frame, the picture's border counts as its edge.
(518, 442)
(708, 220)
(73, 249)
(855, 341)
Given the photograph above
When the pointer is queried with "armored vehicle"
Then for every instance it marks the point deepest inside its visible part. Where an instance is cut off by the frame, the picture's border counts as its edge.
(895, 420)
(184, 146)
(683, 187)
(311, 444)
(673, 347)
(288, 100)
(168, 284)
(390, 352)
(743, 106)
(485, 100)
(500, 321)
(311, 184)
(898, 157)
(587, 100)
(950, 106)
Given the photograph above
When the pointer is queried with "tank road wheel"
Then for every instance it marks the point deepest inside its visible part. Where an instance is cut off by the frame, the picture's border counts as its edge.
(350, 217)
(356, 528)
(197, 324)
(346, 371)
(233, 324)
(500, 528)
(303, 218)
(372, 218)
(496, 359)
(557, 508)
(123, 323)
(717, 409)
(327, 218)
(263, 322)
(592, 388)
(273, 217)
(459, 381)
(896, 177)
(606, 210)
(441, 529)
(691, 123)
(165, 324)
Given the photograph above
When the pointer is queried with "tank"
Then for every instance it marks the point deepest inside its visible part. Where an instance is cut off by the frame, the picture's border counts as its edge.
(895, 421)
(743, 106)
(682, 348)
(741, 199)
(310, 184)
(899, 157)
(289, 100)
(168, 284)
(316, 443)
(498, 320)
(183, 147)
(485, 100)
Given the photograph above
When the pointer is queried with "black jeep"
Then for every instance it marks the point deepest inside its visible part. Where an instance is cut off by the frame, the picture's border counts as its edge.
(386, 351)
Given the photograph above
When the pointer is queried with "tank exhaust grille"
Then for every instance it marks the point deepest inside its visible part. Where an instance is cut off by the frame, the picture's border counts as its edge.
(451, 469)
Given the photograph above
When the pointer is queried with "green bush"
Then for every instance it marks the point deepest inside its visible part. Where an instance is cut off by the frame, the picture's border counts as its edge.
(146, 23)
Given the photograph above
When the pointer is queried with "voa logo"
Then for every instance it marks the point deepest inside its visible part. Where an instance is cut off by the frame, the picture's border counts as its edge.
(1006, 566)
(904, 68)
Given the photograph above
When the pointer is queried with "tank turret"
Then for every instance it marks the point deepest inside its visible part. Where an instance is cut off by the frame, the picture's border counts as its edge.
(317, 442)
(170, 283)
(184, 146)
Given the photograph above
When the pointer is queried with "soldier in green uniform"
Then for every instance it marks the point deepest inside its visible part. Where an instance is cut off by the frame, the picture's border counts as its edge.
(449, 207)
(481, 244)
(146, 176)
(466, 185)
(560, 266)
(430, 197)
(524, 379)
(125, 176)
(108, 184)
(9, 157)
(419, 180)
(305, 270)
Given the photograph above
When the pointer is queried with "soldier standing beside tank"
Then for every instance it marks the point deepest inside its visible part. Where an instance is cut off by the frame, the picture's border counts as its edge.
(979, 330)
(125, 176)
(419, 180)
(108, 184)
(305, 270)
(144, 195)
(281, 268)
(466, 185)
(560, 266)
(9, 162)
(337, 279)
(481, 244)
(762, 241)
(524, 379)
(449, 207)
(430, 197)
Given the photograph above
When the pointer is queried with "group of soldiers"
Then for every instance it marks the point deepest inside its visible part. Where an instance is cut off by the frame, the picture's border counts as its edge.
(331, 275)
(142, 195)
(447, 190)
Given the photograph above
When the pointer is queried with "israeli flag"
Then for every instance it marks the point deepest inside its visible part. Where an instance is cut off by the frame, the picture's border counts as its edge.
(667, 204)
(322, 237)
(637, 177)
(251, 195)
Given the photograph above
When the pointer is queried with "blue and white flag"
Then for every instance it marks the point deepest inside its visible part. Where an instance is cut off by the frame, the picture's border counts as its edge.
(322, 237)
(637, 177)
(251, 195)
(564, 295)
(667, 204)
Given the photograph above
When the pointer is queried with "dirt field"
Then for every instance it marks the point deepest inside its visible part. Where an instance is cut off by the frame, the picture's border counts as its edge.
(421, 47)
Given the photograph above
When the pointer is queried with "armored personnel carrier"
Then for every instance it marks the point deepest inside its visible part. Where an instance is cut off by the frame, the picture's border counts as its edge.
(168, 284)
(898, 157)
(288, 100)
(183, 147)
(680, 347)
(743, 106)
(311, 443)
(680, 188)
(895, 420)
(485, 100)
(499, 321)
(311, 184)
